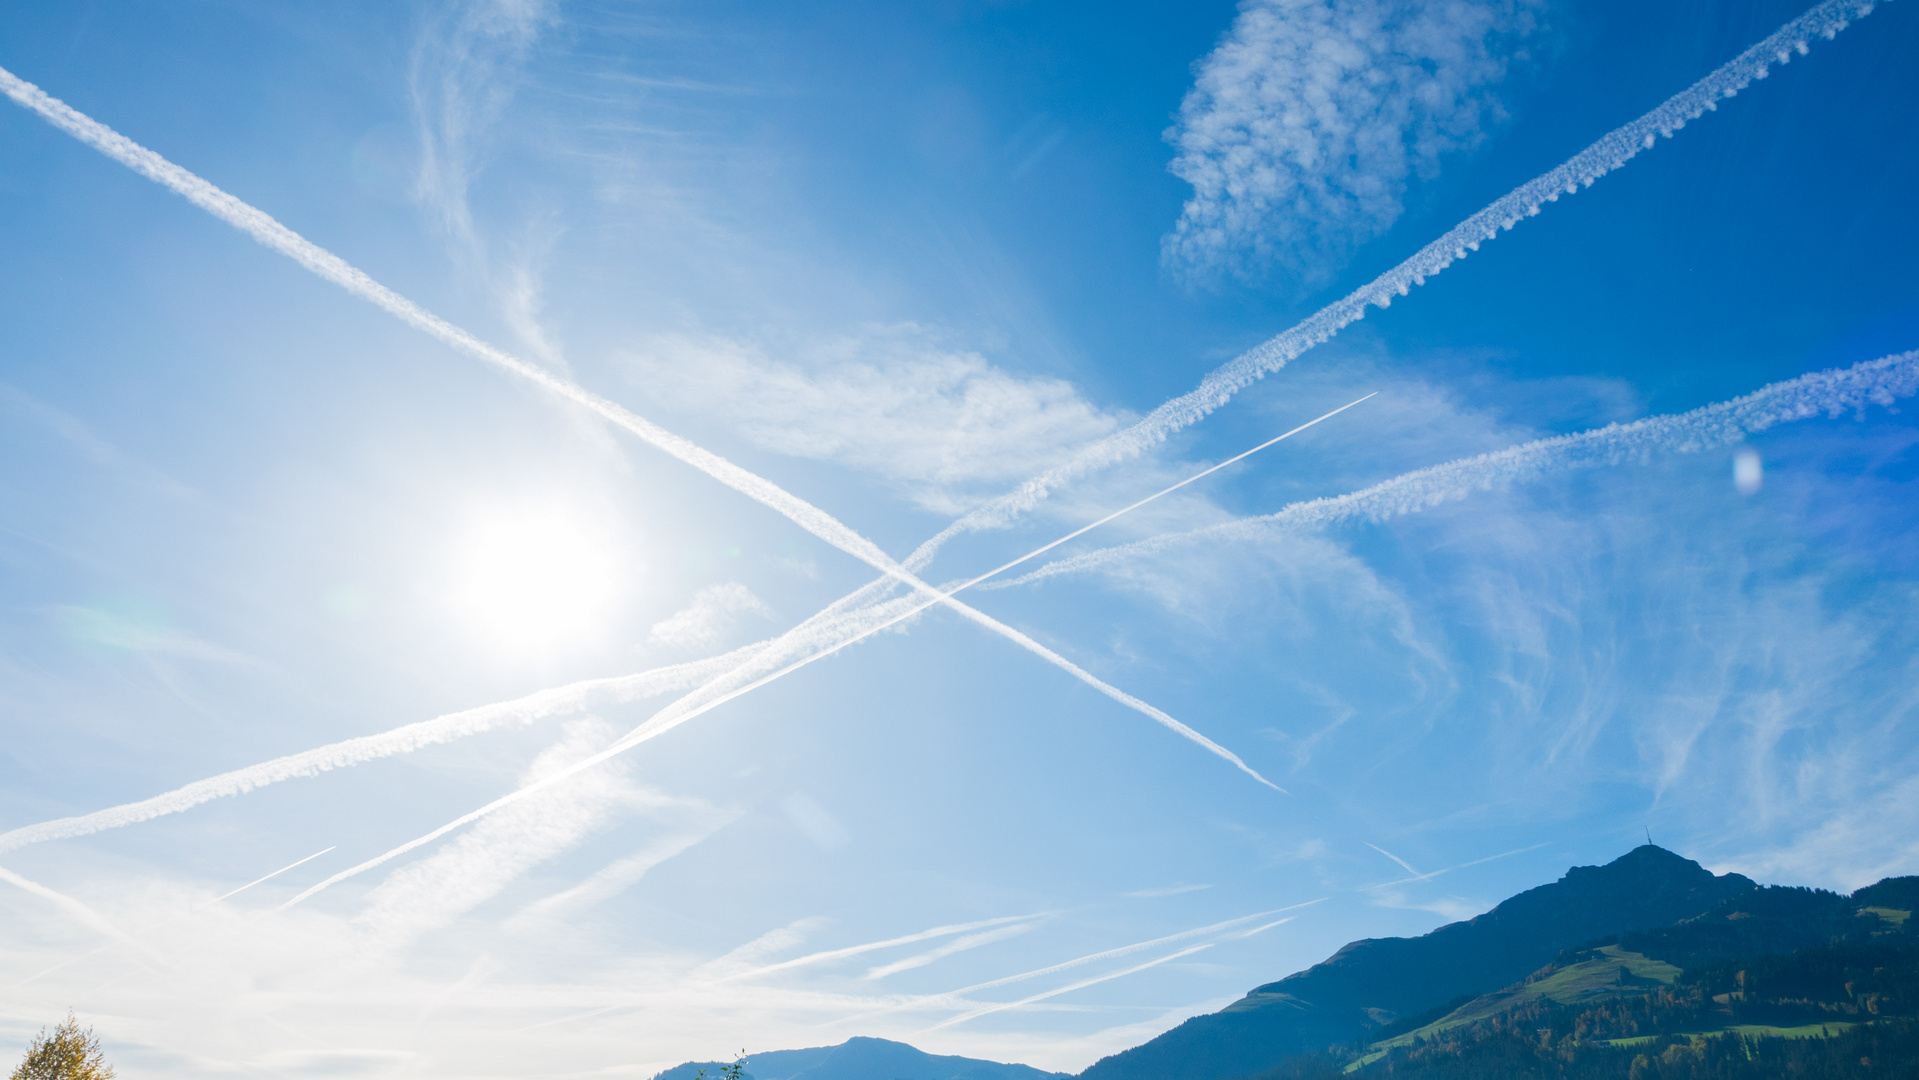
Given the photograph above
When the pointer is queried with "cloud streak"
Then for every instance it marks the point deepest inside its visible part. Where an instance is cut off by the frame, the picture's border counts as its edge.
(1826, 393)
(1610, 152)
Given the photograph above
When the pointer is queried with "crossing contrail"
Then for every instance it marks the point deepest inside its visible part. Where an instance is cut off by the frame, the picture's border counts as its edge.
(878, 617)
(1068, 988)
(1825, 393)
(959, 995)
(874, 946)
(1612, 151)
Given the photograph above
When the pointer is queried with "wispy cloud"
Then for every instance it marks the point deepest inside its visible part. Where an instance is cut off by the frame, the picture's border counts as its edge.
(709, 618)
(937, 421)
(1308, 121)
(75, 909)
(464, 74)
(473, 869)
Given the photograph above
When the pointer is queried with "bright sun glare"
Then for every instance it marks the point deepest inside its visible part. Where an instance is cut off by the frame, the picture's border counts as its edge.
(537, 579)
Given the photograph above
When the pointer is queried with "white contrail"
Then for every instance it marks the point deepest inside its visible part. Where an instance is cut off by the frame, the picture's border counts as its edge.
(1408, 867)
(921, 1001)
(401, 740)
(957, 945)
(1610, 152)
(889, 613)
(1126, 950)
(875, 946)
(1827, 393)
(1417, 876)
(269, 877)
(1067, 989)
(1084, 983)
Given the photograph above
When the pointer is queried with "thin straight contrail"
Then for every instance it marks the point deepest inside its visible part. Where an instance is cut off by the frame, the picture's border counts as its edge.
(1610, 152)
(874, 946)
(1824, 393)
(1067, 989)
(1417, 876)
(401, 740)
(1068, 965)
(270, 877)
(1404, 865)
(271, 233)
(675, 715)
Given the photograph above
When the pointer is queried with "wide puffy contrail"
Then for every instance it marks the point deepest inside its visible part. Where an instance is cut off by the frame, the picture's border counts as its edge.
(401, 740)
(1612, 150)
(1823, 393)
(846, 622)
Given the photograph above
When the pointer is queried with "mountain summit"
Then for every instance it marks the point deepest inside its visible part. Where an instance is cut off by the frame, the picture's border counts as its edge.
(1373, 981)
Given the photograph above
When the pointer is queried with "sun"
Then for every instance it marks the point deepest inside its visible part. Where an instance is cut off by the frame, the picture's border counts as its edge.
(538, 579)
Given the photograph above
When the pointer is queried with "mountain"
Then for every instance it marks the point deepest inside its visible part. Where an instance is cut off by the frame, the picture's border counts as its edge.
(860, 1058)
(1775, 982)
(1372, 982)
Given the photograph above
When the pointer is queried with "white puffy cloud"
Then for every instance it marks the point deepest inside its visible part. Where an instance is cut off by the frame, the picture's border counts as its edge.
(1305, 125)
(942, 423)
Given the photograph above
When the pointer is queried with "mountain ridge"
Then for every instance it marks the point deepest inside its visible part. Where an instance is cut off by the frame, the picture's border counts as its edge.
(1370, 982)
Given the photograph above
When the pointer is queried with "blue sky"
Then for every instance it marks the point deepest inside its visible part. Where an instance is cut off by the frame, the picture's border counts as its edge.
(896, 260)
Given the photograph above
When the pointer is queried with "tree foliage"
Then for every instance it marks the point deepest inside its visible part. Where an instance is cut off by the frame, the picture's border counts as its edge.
(69, 1053)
